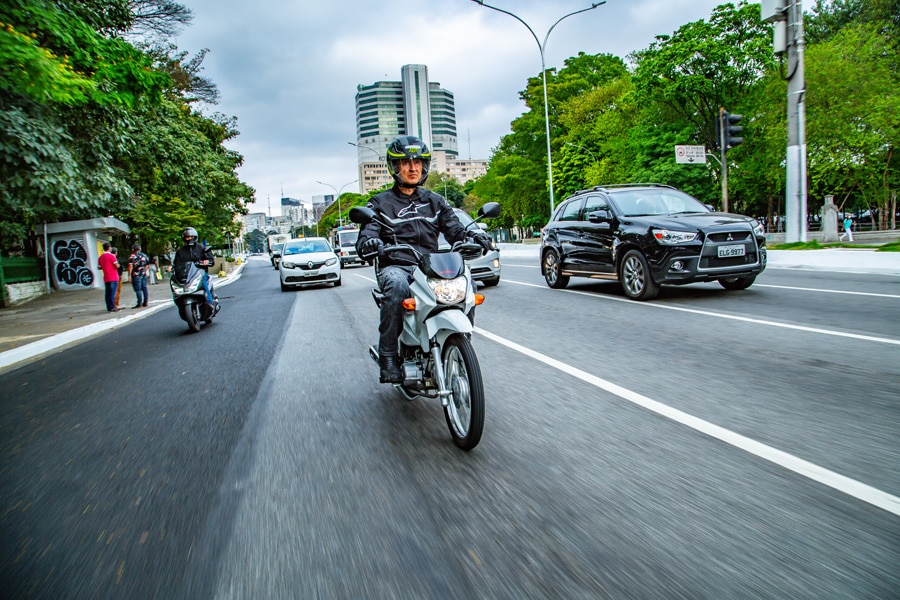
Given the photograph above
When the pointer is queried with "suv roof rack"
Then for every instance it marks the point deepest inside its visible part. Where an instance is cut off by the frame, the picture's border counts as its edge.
(612, 186)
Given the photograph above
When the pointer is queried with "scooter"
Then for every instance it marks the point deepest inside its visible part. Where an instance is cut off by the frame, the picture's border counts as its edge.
(190, 298)
(438, 360)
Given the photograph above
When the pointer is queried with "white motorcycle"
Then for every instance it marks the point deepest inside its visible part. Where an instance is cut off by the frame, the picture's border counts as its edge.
(435, 342)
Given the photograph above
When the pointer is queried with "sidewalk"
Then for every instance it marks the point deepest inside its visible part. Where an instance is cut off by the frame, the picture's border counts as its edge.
(58, 319)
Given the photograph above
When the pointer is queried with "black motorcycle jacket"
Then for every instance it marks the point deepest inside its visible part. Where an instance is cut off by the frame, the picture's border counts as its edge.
(192, 254)
(416, 220)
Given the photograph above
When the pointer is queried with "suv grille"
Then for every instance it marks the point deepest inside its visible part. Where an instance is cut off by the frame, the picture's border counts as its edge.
(729, 236)
(714, 262)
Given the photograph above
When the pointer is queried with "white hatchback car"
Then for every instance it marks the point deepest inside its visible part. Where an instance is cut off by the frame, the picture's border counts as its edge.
(308, 261)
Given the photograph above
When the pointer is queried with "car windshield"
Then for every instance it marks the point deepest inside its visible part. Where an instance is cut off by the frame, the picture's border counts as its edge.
(464, 218)
(655, 201)
(306, 247)
(348, 238)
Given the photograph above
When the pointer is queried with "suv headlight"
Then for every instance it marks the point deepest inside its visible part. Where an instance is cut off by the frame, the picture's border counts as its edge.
(671, 238)
(758, 229)
(448, 291)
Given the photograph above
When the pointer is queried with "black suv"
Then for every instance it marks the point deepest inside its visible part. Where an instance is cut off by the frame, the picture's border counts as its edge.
(646, 235)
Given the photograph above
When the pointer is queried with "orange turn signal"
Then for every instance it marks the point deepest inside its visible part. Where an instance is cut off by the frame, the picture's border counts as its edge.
(409, 304)
(479, 298)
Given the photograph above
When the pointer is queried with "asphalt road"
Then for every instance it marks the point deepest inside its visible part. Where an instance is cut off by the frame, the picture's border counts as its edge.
(709, 444)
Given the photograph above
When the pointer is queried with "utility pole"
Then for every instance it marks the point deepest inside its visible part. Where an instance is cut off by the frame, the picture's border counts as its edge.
(787, 19)
(729, 136)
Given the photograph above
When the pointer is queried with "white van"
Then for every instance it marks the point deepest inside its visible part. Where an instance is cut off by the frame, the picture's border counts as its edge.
(345, 245)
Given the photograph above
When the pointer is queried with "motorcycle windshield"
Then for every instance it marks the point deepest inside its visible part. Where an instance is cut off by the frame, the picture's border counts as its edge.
(186, 273)
(444, 265)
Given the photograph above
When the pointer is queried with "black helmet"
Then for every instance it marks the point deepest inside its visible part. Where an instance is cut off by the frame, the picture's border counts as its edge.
(189, 235)
(407, 146)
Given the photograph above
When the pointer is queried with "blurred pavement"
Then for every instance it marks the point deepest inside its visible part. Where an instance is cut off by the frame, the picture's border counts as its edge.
(52, 321)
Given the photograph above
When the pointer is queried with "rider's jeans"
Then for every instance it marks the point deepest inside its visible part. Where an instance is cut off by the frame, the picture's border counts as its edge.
(207, 287)
(394, 282)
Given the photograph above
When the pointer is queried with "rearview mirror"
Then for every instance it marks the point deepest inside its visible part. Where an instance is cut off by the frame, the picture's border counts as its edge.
(599, 216)
(362, 215)
(490, 210)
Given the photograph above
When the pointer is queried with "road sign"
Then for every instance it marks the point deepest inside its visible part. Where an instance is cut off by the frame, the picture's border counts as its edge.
(690, 154)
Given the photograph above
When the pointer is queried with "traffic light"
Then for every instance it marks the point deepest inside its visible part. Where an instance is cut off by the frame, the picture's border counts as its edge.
(729, 130)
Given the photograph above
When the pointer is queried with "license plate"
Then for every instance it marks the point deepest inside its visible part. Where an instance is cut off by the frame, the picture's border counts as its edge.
(726, 251)
(314, 273)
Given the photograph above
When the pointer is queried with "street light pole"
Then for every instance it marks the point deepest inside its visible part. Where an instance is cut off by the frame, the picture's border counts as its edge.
(541, 48)
(380, 159)
(338, 196)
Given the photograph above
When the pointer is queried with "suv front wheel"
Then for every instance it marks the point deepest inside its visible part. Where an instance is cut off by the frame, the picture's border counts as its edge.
(552, 268)
(634, 274)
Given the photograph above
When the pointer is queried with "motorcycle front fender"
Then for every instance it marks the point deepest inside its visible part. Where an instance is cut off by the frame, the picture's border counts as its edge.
(445, 323)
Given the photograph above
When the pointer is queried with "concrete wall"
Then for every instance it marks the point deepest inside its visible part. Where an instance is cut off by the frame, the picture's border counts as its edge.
(22, 292)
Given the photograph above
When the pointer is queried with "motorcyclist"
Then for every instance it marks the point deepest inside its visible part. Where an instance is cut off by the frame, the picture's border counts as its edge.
(200, 255)
(417, 216)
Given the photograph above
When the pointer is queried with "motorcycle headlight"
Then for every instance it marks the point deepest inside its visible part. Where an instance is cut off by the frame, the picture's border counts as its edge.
(670, 238)
(448, 291)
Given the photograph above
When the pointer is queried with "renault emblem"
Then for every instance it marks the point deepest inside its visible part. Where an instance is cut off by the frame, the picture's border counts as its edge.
(309, 265)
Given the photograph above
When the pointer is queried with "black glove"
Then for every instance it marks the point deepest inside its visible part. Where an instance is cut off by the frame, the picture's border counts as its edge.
(371, 247)
(483, 239)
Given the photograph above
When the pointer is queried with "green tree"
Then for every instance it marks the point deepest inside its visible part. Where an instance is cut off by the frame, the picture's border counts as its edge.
(447, 186)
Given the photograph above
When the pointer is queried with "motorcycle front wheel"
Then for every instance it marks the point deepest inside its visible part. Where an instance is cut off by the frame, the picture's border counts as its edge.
(465, 409)
(190, 313)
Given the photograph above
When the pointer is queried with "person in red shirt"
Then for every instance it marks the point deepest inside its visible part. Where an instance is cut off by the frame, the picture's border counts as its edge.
(109, 265)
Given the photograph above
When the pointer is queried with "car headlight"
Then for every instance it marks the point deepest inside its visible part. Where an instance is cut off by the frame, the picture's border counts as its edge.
(758, 229)
(330, 261)
(670, 238)
(448, 291)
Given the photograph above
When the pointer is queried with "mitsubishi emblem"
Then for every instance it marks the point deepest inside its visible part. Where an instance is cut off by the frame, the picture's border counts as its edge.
(729, 238)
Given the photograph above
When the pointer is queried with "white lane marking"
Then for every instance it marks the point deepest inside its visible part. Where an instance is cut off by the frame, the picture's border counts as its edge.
(803, 289)
(756, 285)
(838, 482)
(856, 336)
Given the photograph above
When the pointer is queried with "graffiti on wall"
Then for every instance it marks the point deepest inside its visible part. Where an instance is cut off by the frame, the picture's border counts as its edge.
(70, 268)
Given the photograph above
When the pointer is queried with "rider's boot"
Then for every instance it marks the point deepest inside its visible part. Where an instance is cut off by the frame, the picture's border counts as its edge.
(390, 369)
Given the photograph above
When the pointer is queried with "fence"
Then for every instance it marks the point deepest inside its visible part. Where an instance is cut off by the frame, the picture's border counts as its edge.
(18, 269)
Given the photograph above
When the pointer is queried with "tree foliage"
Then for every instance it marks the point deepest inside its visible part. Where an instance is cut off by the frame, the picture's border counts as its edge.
(609, 124)
(93, 125)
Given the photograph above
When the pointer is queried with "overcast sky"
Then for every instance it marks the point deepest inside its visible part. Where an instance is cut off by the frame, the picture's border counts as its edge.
(288, 69)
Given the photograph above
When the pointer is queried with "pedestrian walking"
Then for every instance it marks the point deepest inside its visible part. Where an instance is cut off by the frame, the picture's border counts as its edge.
(154, 272)
(138, 268)
(848, 229)
(109, 266)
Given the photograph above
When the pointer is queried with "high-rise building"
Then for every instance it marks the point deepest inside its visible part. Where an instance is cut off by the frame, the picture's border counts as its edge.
(388, 109)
